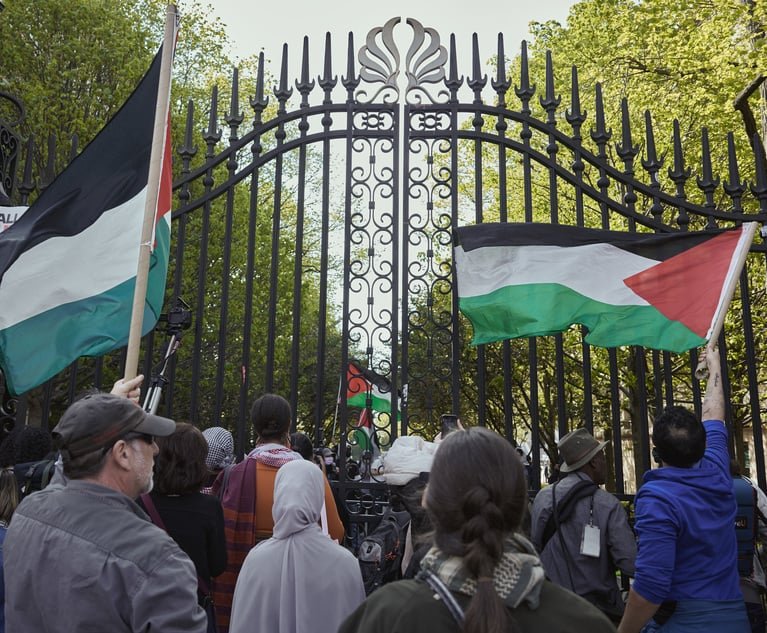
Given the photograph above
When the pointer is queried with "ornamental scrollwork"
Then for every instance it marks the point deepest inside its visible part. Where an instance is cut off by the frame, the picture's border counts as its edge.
(380, 63)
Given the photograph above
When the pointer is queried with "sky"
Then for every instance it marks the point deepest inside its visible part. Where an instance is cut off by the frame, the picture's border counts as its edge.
(253, 26)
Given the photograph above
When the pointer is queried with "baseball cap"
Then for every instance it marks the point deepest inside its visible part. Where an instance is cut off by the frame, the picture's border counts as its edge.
(98, 420)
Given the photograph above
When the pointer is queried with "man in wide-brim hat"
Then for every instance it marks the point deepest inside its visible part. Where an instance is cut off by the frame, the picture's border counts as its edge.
(581, 531)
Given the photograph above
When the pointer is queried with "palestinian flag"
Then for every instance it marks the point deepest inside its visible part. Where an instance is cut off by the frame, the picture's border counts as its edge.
(658, 291)
(364, 434)
(363, 385)
(68, 265)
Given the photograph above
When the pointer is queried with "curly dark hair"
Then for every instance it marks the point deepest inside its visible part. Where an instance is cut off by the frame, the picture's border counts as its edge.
(302, 445)
(679, 437)
(32, 444)
(179, 467)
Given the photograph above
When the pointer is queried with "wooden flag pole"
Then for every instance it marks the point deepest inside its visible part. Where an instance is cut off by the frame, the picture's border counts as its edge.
(701, 372)
(153, 189)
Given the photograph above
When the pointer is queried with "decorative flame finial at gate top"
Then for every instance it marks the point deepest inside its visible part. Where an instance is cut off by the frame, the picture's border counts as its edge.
(380, 62)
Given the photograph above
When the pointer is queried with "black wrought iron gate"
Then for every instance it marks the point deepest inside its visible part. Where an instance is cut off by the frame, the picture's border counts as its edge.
(320, 232)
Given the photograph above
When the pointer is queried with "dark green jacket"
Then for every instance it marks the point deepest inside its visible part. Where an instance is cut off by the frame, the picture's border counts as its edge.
(410, 606)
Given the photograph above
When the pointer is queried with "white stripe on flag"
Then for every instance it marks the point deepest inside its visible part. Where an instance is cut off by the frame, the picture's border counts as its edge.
(596, 271)
(71, 268)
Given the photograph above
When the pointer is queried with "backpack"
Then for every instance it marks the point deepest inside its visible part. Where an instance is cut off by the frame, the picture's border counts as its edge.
(380, 553)
(745, 525)
(34, 476)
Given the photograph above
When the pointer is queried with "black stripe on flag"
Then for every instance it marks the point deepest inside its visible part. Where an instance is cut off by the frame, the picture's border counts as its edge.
(659, 247)
(383, 383)
(110, 170)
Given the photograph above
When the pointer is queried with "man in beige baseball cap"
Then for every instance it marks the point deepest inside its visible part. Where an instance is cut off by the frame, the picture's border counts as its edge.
(581, 531)
(85, 557)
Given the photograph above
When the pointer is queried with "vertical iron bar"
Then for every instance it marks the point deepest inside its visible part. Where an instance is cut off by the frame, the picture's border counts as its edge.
(327, 83)
(397, 152)
(576, 118)
(550, 102)
(233, 119)
(304, 87)
(501, 85)
(753, 380)
(258, 104)
(211, 137)
(477, 83)
(525, 92)
(456, 344)
(350, 82)
(283, 93)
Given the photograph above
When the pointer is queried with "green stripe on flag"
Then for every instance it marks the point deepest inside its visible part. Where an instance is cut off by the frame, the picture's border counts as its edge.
(543, 309)
(89, 327)
(380, 403)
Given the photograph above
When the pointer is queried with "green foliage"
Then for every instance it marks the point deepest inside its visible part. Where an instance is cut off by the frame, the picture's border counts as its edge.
(73, 63)
(685, 59)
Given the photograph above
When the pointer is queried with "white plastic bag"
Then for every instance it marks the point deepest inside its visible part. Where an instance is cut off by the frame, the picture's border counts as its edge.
(408, 456)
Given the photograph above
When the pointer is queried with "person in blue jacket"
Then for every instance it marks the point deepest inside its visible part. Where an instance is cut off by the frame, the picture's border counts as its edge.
(685, 514)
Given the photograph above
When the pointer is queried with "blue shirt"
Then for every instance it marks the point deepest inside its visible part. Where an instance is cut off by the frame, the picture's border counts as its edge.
(685, 525)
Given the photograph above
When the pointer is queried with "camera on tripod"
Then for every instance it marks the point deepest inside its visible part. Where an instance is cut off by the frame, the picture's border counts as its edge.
(178, 318)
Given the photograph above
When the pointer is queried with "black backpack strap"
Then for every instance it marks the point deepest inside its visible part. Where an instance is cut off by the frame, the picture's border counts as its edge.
(562, 511)
(28, 476)
(444, 593)
(48, 469)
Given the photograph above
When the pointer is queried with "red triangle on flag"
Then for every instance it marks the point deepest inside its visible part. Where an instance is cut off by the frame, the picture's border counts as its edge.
(355, 384)
(687, 286)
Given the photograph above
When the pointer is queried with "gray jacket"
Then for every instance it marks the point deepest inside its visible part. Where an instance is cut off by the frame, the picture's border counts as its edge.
(568, 567)
(86, 559)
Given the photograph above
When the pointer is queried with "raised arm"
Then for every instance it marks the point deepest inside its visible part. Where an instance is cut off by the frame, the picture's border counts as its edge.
(713, 401)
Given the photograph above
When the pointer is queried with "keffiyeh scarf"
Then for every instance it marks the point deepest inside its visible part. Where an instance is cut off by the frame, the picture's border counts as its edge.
(220, 448)
(274, 455)
(518, 577)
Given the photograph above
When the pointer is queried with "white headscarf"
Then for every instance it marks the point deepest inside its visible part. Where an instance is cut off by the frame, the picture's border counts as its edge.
(299, 581)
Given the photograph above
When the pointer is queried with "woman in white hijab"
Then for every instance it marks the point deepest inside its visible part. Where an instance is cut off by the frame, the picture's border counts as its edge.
(298, 581)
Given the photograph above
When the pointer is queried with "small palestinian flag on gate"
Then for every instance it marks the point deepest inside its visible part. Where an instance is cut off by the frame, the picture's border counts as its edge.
(662, 291)
(367, 389)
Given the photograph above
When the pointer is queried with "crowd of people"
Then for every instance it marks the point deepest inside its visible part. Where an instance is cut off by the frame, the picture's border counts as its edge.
(150, 525)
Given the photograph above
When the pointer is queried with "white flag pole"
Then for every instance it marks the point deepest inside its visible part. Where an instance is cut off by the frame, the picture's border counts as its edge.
(153, 189)
(338, 402)
(749, 228)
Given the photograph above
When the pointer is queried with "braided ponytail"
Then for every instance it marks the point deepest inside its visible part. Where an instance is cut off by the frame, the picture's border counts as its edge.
(483, 537)
(476, 498)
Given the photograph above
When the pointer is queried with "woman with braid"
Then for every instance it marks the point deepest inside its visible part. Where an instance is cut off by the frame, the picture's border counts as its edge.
(481, 575)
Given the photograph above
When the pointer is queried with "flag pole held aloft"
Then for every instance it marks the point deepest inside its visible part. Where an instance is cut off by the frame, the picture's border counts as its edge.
(68, 264)
(662, 291)
(150, 210)
(749, 229)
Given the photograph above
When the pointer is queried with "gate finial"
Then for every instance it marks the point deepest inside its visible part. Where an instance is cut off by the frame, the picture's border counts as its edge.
(525, 91)
(424, 64)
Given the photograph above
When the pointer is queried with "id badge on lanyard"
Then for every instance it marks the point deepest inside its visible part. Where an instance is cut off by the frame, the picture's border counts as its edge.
(590, 542)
